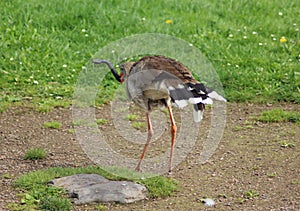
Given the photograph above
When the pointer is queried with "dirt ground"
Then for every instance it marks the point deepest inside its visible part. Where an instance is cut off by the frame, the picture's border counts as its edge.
(251, 156)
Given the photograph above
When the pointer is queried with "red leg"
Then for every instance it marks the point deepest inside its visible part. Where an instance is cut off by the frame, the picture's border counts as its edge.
(150, 133)
(173, 133)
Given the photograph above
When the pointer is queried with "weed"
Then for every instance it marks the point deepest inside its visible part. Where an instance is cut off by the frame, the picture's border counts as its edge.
(7, 176)
(138, 125)
(238, 127)
(131, 117)
(251, 194)
(279, 115)
(92, 125)
(72, 131)
(79, 122)
(52, 125)
(295, 182)
(101, 121)
(101, 207)
(47, 105)
(55, 203)
(35, 154)
(285, 144)
(272, 175)
(160, 186)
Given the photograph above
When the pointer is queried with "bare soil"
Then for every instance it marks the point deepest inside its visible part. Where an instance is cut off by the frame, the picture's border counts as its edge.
(250, 157)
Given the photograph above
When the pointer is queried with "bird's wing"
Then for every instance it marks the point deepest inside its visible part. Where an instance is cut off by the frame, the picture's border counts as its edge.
(163, 63)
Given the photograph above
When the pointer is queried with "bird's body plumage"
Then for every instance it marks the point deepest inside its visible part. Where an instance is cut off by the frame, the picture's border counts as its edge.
(157, 80)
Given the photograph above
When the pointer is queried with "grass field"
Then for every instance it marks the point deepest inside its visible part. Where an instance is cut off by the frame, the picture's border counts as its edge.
(253, 45)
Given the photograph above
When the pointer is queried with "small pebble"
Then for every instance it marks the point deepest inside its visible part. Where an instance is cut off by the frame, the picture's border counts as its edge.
(209, 202)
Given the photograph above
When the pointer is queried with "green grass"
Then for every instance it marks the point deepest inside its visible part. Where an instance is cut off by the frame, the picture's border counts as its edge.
(285, 144)
(44, 45)
(36, 192)
(35, 154)
(101, 121)
(55, 203)
(52, 125)
(250, 194)
(138, 125)
(279, 115)
(131, 117)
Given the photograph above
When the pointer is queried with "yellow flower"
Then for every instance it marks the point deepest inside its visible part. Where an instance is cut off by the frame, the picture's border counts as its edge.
(282, 39)
(168, 21)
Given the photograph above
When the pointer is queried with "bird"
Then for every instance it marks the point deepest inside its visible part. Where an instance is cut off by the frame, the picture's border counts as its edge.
(158, 81)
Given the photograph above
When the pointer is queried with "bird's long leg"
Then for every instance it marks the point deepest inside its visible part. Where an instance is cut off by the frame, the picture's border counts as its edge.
(150, 133)
(173, 133)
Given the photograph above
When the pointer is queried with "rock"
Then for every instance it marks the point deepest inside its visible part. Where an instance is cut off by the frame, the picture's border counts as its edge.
(88, 188)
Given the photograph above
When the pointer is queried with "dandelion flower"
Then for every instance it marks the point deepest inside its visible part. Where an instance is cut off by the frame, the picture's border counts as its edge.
(65, 65)
(168, 21)
(280, 13)
(260, 44)
(230, 35)
(282, 40)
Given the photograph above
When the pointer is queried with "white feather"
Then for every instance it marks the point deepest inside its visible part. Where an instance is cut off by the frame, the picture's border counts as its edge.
(197, 115)
(181, 103)
(207, 101)
(216, 96)
(195, 100)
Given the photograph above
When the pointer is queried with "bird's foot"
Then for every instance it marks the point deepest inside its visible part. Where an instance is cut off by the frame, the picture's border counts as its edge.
(138, 169)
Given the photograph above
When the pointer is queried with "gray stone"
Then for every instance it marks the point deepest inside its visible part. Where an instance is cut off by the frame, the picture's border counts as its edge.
(88, 188)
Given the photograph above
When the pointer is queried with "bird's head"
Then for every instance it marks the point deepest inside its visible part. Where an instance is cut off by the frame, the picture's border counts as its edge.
(125, 70)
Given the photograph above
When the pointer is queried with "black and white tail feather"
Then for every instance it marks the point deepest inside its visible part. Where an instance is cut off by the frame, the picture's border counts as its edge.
(197, 94)
(181, 94)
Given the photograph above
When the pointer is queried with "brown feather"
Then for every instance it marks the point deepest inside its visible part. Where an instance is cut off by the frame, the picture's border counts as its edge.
(162, 63)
